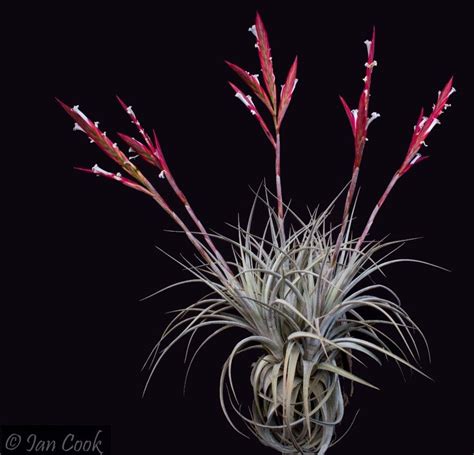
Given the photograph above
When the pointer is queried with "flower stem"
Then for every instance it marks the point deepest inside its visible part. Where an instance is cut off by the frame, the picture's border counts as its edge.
(197, 221)
(192, 238)
(278, 183)
(370, 221)
(347, 206)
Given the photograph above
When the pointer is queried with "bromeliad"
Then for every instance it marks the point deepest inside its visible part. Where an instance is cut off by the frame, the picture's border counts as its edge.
(299, 290)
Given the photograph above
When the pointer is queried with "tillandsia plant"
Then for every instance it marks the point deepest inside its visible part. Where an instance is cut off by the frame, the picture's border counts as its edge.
(303, 294)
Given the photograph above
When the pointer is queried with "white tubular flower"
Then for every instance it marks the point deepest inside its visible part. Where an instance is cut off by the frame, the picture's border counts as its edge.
(245, 99)
(368, 43)
(294, 86)
(373, 116)
(96, 169)
(415, 158)
(355, 112)
(423, 121)
(79, 112)
(77, 128)
(433, 124)
(374, 63)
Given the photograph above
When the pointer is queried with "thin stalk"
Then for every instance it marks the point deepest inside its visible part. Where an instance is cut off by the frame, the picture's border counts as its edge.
(195, 242)
(347, 206)
(278, 184)
(196, 220)
(377, 208)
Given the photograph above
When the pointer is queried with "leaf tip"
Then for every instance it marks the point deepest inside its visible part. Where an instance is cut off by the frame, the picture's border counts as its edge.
(63, 105)
(122, 103)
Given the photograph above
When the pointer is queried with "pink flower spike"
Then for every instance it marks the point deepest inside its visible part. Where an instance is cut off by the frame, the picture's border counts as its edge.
(425, 125)
(359, 120)
(287, 91)
(264, 53)
(371, 63)
(94, 133)
(247, 101)
(133, 117)
(350, 115)
(96, 170)
(253, 83)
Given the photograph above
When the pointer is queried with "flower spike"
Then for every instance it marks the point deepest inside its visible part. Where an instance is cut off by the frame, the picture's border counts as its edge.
(359, 121)
(422, 129)
(269, 98)
(424, 126)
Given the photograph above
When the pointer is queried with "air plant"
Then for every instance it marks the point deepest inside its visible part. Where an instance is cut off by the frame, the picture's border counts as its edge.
(300, 292)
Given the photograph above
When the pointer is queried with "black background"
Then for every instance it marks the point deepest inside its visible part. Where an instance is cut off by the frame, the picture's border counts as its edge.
(81, 252)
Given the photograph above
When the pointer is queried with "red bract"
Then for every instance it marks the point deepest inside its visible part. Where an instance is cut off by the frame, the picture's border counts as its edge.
(247, 100)
(265, 56)
(253, 83)
(287, 91)
(140, 149)
(350, 115)
(158, 152)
